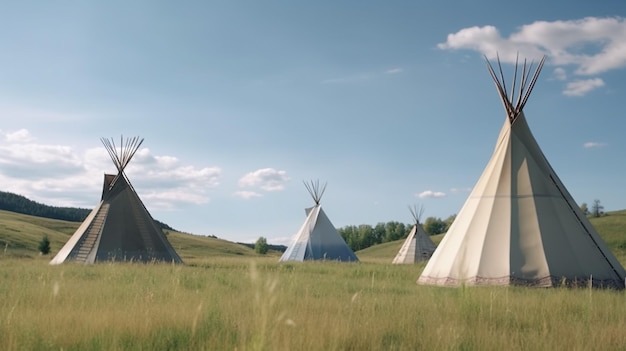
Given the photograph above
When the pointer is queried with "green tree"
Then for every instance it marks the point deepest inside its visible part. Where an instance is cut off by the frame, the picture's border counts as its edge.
(394, 231)
(366, 235)
(449, 221)
(597, 210)
(584, 208)
(434, 226)
(379, 233)
(261, 246)
(350, 235)
(44, 245)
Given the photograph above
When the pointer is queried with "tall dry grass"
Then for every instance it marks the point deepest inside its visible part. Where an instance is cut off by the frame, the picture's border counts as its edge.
(258, 304)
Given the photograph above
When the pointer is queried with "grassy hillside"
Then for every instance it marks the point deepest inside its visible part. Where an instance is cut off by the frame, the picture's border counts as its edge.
(384, 253)
(612, 228)
(20, 235)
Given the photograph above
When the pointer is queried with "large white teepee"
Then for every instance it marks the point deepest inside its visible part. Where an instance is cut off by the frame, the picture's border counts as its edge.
(120, 227)
(317, 239)
(520, 226)
(417, 246)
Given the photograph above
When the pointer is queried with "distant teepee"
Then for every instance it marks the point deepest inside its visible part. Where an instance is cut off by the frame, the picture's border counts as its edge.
(520, 226)
(318, 239)
(417, 246)
(120, 227)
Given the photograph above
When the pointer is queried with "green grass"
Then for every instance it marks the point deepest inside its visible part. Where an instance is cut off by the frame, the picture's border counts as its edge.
(20, 235)
(612, 228)
(385, 252)
(228, 298)
(249, 303)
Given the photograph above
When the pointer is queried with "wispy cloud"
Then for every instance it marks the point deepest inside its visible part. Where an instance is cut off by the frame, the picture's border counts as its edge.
(592, 45)
(560, 74)
(594, 145)
(394, 71)
(268, 179)
(582, 87)
(460, 190)
(430, 194)
(169, 199)
(246, 194)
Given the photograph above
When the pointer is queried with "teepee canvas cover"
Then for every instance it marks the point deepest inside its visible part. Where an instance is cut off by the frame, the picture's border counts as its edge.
(120, 227)
(520, 226)
(318, 239)
(417, 246)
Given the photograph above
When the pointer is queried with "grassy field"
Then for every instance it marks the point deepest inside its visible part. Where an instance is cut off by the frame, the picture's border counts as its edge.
(385, 252)
(248, 303)
(236, 300)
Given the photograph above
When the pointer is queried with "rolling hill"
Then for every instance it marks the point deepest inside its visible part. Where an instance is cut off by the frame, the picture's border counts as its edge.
(20, 234)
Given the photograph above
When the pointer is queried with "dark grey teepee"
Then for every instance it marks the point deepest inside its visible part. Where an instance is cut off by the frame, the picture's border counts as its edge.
(120, 228)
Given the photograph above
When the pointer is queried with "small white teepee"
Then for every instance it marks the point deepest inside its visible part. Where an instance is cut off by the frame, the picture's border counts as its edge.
(120, 227)
(417, 246)
(318, 239)
(520, 226)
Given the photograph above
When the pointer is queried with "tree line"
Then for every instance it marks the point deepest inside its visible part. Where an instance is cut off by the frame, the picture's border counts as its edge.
(20, 204)
(359, 237)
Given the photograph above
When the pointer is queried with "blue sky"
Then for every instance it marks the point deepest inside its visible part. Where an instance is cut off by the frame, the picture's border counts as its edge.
(240, 101)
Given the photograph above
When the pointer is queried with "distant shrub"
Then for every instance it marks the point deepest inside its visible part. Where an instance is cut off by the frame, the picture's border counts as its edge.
(260, 246)
(44, 245)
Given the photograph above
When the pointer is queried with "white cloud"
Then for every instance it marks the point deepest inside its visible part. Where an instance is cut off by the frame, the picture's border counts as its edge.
(582, 87)
(430, 194)
(21, 135)
(457, 190)
(593, 145)
(34, 161)
(246, 194)
(593, 45)
(166, 161)
(560, 74)
(64, 176)
(169, 199)
(267, 179)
